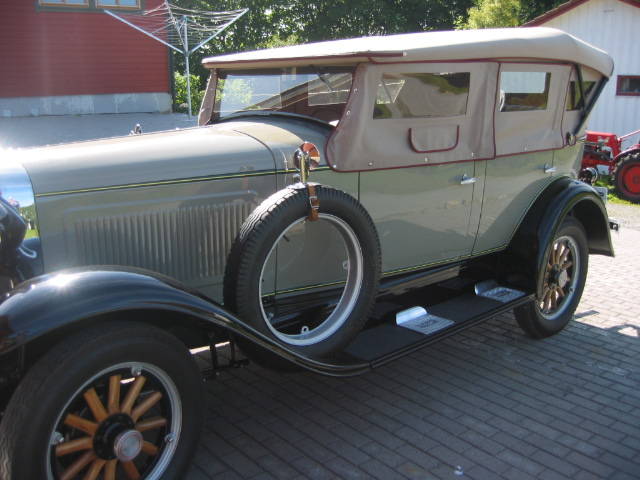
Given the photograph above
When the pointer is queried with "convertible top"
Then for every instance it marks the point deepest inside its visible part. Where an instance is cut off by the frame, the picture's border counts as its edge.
(538, 43)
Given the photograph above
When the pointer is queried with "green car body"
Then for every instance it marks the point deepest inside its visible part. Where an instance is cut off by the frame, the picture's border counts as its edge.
(340, 205)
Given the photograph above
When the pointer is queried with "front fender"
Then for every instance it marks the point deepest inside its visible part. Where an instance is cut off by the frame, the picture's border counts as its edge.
(70, 297)
(565, 196)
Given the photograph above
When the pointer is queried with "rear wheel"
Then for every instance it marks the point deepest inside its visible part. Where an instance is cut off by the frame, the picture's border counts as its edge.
(626, 179)
(561, 284)
(113, 403)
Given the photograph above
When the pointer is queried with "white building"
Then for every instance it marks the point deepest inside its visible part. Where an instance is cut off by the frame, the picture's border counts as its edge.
(614, 26)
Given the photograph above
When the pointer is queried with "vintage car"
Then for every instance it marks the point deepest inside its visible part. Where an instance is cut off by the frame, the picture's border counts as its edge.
(340, 205)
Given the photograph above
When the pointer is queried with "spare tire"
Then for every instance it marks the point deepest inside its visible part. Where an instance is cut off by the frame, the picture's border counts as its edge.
(315, 319)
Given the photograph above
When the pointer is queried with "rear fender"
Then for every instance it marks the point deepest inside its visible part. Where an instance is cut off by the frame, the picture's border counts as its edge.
(70, 299)
(564, 197)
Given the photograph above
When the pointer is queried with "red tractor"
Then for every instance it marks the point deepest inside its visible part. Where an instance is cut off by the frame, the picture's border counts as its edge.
(603, 153)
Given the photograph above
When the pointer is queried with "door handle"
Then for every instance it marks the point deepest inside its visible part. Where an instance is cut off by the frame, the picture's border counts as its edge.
(549, 169)
(466, 180)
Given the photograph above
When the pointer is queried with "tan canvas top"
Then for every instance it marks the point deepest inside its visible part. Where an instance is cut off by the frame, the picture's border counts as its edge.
(527, 43)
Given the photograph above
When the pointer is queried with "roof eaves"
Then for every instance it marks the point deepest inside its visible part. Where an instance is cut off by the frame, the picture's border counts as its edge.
(565, 7)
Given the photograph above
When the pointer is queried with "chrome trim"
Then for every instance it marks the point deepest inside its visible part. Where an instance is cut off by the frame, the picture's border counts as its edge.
(16, 189)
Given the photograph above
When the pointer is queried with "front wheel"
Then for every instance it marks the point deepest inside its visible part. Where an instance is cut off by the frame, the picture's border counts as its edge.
(121, 402)
(561, 284)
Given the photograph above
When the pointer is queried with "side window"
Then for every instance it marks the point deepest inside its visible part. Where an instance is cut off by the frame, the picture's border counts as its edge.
(574, 102)
(628, 85)
(119, 3)
(64, 3)
(524, 91)
(422, 95)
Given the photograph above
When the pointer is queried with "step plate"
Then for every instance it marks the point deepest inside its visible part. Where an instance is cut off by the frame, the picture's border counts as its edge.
(386, 342)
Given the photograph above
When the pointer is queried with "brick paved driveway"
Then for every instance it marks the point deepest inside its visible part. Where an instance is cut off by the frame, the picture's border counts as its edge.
(488, 400)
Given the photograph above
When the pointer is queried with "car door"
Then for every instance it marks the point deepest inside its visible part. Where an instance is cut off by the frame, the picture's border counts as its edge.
(418, 147)
(528, 117)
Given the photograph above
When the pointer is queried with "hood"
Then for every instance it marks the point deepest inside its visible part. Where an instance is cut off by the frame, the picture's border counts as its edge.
(143, 159)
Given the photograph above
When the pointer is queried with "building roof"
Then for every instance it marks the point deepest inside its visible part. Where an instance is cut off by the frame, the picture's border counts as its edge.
(565, 7)
(538, 43)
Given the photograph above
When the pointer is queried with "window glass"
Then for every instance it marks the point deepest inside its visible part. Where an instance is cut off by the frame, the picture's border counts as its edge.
(628, 85)
(304, 91)
(523, 91)
(418, 95)
(573, 98)
(64, 2)
(118, 3)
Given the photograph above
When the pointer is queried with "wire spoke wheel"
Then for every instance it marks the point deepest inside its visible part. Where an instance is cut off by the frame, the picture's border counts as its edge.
(560, 278)
(124, 423)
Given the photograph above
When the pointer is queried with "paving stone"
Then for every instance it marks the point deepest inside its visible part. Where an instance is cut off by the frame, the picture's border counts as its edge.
(490, 399)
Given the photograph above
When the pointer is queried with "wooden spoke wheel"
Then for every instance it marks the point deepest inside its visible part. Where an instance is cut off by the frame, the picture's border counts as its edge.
(118, 401)
(124, 423)
(559, 284)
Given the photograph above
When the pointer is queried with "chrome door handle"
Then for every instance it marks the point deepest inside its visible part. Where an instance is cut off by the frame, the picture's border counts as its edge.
(465, 180)
(549, 169)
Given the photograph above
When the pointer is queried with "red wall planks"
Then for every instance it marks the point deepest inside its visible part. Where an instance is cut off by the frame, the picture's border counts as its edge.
(46, 53)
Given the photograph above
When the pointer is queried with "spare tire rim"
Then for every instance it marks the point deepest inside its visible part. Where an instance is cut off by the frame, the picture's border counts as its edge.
(560, 278)
(348, 298)
(123, 423)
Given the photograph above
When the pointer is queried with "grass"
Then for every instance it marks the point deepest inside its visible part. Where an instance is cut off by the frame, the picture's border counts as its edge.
(31, 233)
(605, 181)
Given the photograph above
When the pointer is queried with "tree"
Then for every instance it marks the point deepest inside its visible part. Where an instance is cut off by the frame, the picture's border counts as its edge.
(280, 22)
(504, 13)
(493, 13)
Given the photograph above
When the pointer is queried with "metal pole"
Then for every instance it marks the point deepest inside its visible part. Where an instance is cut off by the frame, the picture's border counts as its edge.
(186, 63)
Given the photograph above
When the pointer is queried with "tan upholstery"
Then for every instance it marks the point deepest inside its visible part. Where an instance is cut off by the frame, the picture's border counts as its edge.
(363, 143)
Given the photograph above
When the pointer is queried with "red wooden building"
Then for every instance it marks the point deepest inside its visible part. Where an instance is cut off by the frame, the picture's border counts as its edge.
(62, 57)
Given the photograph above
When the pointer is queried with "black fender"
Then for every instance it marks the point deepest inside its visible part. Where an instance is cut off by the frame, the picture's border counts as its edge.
(565, 196)
(69, 298)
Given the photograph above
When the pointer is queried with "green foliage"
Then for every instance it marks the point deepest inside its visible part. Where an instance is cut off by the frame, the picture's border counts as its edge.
(504, 13)
(530, 9)
(273, 23)
(492, 14)
(607, 181)
(197, 92)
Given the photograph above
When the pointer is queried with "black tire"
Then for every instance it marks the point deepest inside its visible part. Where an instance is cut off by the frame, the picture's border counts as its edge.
(626, 177)
(532, 317)
(54, 387)
(251, 250)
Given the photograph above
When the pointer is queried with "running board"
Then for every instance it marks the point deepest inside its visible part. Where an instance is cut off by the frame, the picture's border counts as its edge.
(418, 327)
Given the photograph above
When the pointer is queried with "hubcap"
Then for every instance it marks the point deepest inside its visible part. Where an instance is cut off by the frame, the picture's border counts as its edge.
(128, 445)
